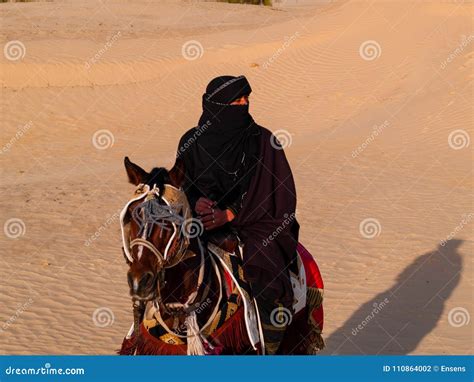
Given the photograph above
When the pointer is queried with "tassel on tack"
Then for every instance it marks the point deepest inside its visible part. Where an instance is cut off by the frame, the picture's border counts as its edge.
(195, 341)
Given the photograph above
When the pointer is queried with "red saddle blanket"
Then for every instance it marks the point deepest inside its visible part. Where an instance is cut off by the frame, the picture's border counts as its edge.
(314, 282)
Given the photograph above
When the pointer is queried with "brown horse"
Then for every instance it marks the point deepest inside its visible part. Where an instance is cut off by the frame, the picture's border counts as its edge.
(177, 289)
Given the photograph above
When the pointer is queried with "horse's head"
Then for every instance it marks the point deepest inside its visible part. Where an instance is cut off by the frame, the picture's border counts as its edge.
(155, 227)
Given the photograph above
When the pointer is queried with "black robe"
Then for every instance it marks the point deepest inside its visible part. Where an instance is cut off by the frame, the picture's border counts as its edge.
(267, 224)
(265, 219)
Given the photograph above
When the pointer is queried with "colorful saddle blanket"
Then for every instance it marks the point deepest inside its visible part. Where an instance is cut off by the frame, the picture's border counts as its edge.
(308, 291)
(239, 310)
(314, 297)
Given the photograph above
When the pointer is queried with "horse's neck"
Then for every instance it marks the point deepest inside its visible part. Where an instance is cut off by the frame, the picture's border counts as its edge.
(182, 281)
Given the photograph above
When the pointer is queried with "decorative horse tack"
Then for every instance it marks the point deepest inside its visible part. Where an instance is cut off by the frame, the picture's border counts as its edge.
(194, 336)
(173, 198)
(226, 326)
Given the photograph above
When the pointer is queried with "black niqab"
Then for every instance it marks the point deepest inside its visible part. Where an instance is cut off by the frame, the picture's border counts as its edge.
(226, 150)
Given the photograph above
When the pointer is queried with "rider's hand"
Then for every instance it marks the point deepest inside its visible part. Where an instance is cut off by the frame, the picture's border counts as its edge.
(203, 206)
(216, 218)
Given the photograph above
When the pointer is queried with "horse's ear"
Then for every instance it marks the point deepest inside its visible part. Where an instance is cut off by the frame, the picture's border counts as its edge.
(176, 174)
(136, 174)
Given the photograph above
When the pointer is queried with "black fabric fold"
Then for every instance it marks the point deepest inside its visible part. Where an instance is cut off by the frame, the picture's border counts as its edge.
(231, 160)
(224, 148)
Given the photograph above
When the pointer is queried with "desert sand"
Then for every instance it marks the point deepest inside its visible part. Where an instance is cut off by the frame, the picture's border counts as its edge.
(372, 100)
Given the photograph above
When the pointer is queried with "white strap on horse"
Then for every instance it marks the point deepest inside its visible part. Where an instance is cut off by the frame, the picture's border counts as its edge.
(171, 196)
(194, 337)
(141, 192)
(250, 313)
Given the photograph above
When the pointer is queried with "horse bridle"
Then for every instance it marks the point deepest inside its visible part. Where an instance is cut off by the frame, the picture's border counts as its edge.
(145, 192)
(194, 331)
(149, 245)
(170, 195)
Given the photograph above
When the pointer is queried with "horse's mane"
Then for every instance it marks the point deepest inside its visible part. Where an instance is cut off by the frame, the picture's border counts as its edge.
(159, 176)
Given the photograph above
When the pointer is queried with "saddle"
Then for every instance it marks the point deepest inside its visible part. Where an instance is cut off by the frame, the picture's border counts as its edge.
(306, 281)
(224, 238)
(232, 321)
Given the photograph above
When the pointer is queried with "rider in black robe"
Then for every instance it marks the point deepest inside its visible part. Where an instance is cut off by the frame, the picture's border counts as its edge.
(239, 180)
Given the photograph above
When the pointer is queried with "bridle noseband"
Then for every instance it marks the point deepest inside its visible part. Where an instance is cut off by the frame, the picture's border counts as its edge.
(149, 245)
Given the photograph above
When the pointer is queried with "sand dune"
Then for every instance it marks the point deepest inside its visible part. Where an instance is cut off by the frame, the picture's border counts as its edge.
(373, 98)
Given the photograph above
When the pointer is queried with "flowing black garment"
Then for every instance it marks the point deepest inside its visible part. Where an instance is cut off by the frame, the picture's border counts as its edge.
(229, 159)
(220, 154)
(265, 221)
(267, 224)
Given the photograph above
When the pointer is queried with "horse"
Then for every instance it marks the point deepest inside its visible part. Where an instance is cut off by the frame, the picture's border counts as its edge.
(183, 301)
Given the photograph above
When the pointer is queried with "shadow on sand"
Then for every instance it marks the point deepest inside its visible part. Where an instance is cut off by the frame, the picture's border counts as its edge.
(396, 320)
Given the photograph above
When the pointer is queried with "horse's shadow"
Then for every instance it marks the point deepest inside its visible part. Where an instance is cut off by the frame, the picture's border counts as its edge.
(396, 320)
